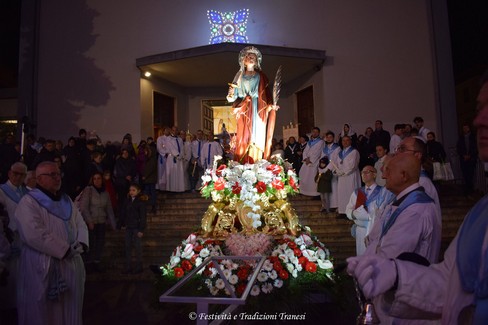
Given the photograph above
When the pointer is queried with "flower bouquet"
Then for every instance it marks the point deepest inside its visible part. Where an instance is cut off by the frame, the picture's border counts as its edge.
(249, 198)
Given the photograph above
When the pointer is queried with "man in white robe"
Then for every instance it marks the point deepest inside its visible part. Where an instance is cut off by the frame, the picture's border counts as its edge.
(51, 271)
(331, 150)
(209, 151)
(11, 192)
(310, 162)
(346, 168)
(409, 224)
(195, 163)
(161, 147)
(175, 166)
(453, 291)
(362, 207)
(396, 138)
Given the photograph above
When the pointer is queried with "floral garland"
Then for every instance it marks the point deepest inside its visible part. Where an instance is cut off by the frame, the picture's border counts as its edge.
(289, 258)
(263, 181)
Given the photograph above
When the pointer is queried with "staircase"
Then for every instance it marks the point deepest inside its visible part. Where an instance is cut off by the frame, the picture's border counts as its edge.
(179, 214)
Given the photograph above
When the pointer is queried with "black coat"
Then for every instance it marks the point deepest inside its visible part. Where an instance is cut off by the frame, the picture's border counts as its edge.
(133, 214)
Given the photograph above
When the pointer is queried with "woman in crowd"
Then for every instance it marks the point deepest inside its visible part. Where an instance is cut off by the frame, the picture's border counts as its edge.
(347, 130)
(96, 208)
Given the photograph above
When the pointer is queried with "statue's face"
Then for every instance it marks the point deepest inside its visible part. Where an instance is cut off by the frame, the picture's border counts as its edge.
(250, 59)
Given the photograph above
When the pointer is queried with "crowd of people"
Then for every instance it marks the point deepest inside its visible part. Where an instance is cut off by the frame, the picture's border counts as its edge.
(88, 185)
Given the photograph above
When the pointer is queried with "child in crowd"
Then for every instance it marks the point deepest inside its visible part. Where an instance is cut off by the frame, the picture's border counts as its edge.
(323, 179)
(133, 220)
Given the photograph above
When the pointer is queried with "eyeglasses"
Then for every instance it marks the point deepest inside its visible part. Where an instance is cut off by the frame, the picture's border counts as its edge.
(52, 175)
(18, 173)
(402, 149)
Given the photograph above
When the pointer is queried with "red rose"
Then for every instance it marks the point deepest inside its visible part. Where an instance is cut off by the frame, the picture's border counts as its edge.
(292, 245)
(186, 265)
(198, 248)
(219, 184)
(283, 274)
(236, 189)
(275, 169)
(261, 187)
(311, 267)
(178, 272)
(219, 170)
(303, 261)
(242, 274)
(277, 184)
(297, 252)
(273, 259)
(277, 266)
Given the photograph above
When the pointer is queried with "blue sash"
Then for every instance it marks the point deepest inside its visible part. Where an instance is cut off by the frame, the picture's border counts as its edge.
(469, 258)
(13, 195)
(61, 209)
(311, 143)
(199, 147)
(328, 151)
(416, 196)
(178, 144)
(208, 157)
(373, 196)
(343, 154)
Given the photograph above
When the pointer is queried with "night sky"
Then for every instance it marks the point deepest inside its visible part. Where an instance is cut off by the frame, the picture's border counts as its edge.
(468, 26)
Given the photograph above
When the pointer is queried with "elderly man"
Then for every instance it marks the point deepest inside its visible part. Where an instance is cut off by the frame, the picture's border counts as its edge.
(346, 168)
(51, 271)
(362, 207)
(454, 290)
(407, 225)
(10, 194)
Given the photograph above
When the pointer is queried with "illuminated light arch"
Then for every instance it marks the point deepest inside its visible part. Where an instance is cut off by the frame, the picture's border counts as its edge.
(228, 27)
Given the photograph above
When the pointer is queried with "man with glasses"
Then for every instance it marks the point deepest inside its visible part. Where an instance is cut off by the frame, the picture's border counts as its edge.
(416, 147)
(361, 207)
(51, 271)
(10, 194)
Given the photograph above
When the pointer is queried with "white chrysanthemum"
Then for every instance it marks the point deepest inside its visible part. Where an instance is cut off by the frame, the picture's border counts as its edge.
(299, 267)
(233, 279)
(214, 291)
(278, 283)
(273, 274)
(267, 287)
(255, 290)
(198, 261)
(206, 178)
(262, 276)
(294, 260)
(268, 266)
(249, 176)
(204, 252)
(227, 292)
(213, 272)
(234, 266)
(220, 284)
(227, 273)
(256, 223)
(325, 265)
(294, 273)
(290, 253)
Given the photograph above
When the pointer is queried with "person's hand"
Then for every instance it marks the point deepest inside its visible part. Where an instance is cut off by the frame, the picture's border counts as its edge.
(140, 234)
(75, 249)
(375, 274)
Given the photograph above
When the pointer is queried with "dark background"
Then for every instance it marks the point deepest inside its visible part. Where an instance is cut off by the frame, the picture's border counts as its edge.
(468, 22)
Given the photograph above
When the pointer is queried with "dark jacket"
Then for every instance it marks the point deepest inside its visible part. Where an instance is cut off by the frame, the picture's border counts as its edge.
(133, 214)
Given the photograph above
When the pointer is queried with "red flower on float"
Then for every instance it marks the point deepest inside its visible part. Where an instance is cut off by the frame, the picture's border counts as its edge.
(219, 184)
(275, 169)
(236, 188)
(297, 252)
(303, 261)
(283, 274)
(261, 187)
(242, 274)
(186, 265)
(311, 267)
(178, 272)
(277, 184)
(292, 245)
(277, 266)
(293, 184)
(198, 248)
(240, 289)
(219, 170)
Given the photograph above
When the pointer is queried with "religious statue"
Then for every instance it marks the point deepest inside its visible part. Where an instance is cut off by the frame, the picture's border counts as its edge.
(254, 107)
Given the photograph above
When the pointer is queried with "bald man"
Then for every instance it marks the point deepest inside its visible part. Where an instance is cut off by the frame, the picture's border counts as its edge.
(409, 224)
